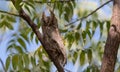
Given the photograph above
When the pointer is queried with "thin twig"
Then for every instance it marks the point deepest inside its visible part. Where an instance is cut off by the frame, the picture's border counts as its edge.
(9, 13)
(3, 65)
(89, 13)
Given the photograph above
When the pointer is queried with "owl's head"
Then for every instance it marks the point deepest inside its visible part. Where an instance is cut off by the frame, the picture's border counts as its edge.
(48, 20)
(45, 19)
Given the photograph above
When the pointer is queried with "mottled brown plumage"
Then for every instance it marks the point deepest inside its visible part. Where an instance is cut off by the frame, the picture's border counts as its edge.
(53, 40)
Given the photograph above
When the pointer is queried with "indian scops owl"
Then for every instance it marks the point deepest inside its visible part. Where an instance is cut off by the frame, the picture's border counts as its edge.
(52, 38)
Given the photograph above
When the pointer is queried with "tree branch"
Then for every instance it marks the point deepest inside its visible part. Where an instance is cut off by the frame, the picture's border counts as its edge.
(113, 41)
(34, 27)
(90, 13)
(9, 13)
(38, 34)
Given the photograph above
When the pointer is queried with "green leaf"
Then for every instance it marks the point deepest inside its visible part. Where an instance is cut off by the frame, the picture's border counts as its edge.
(63, 30)
(70, 8)
(10, 46)
(31, 35)
(19, 49)
(95, 68)
(52, 0)
(26, 70)
(75, 55)
(82, 58)
(44, 1)
(84, 36)
(89, 33)
(66, 17)
(7, 62)
(88, 69)
(70, 38)
(20, 61)
(60, 8)
(108, 25)
(31, 1)
(1, 24)
(26, 60)
(31, 4)
(95, 24)
(88, 25)
(77, 36)
(33, 61)
(46, 66)
(39, 53)
(74, 3)
(17, 4)
(79, 25)
(27, 8)
(2, 16)
(22, 43)
(101, 24)
(36, 40)
(25, 37)
(11, 19)
(8, 25)
(89, 55)
(15, 59)
(118, 69)
(68, 13)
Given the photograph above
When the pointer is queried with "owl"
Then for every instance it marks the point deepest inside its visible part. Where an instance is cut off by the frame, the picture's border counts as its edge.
(52, 39)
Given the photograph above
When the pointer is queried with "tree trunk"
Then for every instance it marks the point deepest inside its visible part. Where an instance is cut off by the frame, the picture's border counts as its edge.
(113, 40)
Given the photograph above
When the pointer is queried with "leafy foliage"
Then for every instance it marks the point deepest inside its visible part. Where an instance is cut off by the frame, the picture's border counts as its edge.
(79, 37)
(6, 21)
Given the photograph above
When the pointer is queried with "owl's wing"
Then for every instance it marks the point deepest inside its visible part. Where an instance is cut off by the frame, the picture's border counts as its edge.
(52, 40)
(55, 36)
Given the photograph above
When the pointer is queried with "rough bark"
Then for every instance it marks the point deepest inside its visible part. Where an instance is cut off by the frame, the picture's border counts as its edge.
(113, 40)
